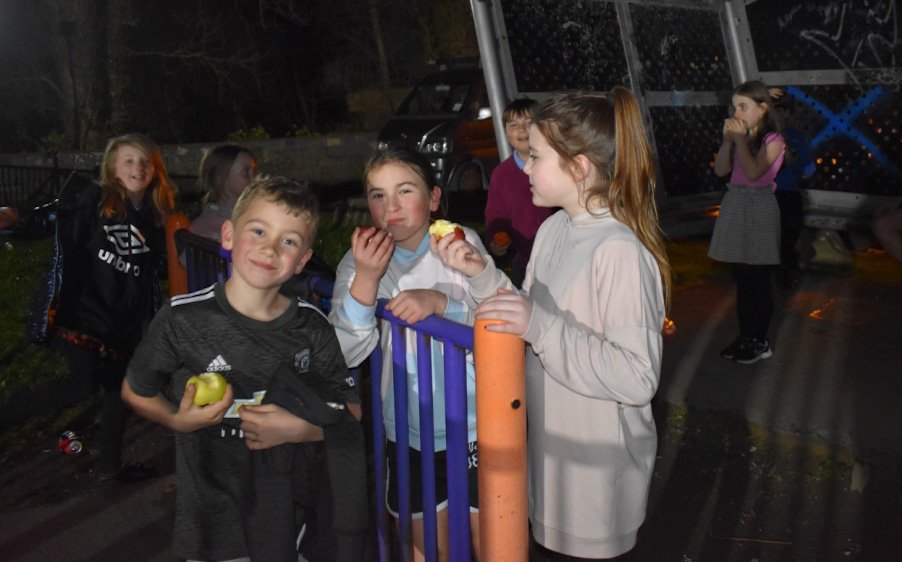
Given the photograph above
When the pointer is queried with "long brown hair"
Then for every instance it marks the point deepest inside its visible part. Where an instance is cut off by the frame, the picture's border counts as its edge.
(215, 167)
(608, 130)
(162, 189)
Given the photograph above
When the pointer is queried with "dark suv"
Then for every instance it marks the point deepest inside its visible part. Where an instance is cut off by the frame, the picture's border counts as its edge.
(447, 118)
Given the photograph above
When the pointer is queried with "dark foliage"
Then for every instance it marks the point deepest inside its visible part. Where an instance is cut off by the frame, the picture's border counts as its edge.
(191, 71)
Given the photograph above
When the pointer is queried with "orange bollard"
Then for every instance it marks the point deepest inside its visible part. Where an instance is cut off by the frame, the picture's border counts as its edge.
(178, 277)
(501, 434)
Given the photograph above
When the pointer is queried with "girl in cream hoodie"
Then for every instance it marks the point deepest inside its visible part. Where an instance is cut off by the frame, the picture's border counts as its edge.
(591, 310)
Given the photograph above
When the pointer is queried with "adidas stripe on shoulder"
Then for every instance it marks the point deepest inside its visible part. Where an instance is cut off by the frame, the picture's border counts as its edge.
(304, 304)
(197, 296)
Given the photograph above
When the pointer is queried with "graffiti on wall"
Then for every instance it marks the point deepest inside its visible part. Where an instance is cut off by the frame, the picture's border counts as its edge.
(843, 34)
(875, 49)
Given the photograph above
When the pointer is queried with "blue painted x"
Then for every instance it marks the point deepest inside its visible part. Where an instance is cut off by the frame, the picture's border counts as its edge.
(842, 123)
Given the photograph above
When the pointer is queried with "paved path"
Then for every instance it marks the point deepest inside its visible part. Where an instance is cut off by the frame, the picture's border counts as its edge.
(836, 374)
(834, 381)
(128, 523)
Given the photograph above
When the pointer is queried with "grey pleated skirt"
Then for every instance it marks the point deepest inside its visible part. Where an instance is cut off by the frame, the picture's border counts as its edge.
(748, 227)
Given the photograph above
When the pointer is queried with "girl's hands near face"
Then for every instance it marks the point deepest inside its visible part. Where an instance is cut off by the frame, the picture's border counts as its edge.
(735, 128)
(513, 309)
(191, 417)
(459, 255)
(726, 131)
(372, 249)
(413, 305)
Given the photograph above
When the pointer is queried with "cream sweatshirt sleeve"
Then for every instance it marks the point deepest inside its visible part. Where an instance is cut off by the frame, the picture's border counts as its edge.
(608, 344)
(489, 281)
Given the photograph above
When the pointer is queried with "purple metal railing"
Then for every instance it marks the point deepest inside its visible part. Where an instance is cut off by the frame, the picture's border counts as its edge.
(206, 262)
(457, 340)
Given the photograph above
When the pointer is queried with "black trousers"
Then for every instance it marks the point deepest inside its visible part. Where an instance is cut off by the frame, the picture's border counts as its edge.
(88, 370)
(754, 298)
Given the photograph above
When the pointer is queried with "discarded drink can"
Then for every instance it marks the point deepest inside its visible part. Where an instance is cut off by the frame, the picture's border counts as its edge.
(70, 443)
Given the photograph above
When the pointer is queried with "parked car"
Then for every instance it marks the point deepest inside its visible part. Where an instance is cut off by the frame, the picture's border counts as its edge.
(447, 117)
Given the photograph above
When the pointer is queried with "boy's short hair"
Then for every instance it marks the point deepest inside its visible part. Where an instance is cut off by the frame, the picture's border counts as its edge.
(517, 108)
(296, 195)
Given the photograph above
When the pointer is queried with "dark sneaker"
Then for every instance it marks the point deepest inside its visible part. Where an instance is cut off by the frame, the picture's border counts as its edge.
(731, 350)
(752, 351)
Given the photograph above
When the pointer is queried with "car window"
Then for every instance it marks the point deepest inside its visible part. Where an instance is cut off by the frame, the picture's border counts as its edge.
(436, 97)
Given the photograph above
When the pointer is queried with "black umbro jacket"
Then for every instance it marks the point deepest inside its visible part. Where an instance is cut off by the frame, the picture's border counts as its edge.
(110, 288)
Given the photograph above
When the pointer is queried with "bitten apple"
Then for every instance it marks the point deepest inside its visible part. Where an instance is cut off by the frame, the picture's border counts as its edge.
(441, 228)
(211, 388)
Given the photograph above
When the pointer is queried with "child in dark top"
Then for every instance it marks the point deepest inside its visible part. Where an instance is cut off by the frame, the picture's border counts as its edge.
(796, 165)
(511, 219)
(236, 467)
(113, 246)
(791, 203)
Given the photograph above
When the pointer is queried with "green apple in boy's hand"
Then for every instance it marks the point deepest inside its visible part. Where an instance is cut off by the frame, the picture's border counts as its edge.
(210, 387)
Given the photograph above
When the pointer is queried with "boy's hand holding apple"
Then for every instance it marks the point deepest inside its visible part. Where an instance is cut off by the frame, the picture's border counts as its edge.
(209, 388)
(196, 411)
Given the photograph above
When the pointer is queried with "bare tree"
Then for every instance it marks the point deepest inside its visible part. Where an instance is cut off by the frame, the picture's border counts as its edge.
(80, 52)
(200, 70)
(376, 22)
(446, 29)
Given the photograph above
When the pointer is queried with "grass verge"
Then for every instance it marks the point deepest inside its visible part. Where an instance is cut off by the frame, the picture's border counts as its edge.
(25, 365)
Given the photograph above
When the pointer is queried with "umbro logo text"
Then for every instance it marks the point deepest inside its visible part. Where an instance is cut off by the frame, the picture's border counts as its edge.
(117, 262)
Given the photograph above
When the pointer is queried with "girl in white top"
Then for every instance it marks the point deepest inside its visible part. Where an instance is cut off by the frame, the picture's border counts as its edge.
(591, 310)
(392, 261)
